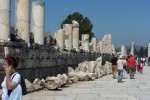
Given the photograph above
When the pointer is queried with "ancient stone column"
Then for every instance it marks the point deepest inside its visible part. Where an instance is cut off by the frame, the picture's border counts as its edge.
(5, 20)
(123, 50)
(108, 47)
(23, 19)
(113, 48)
(93, 41)
(132, 49)
(149, 50)
(109, 38)
(60, 39)
(68, 36)
(101, 46)
(38, 21)
(76, 38)
(85, 42)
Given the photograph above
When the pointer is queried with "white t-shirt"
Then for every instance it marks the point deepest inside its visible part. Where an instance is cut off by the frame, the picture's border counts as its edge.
(120, 63)
(16, 78)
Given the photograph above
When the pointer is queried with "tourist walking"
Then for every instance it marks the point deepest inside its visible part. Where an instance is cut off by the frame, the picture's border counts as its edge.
(141, 67)
(11, 84)
(120, 64)
(114, 65)
(131, 65)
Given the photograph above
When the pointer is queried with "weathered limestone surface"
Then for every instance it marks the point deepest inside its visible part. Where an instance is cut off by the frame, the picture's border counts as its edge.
(123, 50)
(85, 42)
(60, 39)
(132, 49)
(38, 21)
(94, 44)
(75, 24)
(113, 49)
(100, 46)
(76, 38)
(23, 19)
(5, 20)
(41, 61)
(68, 36)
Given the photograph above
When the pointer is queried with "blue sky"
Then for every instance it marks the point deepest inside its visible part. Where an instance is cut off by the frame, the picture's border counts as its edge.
(126, 20)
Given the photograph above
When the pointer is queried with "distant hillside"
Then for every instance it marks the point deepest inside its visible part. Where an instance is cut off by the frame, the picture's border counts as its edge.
(138, 47)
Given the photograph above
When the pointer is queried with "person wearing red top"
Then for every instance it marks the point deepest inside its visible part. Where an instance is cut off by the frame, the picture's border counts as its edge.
(131, 65)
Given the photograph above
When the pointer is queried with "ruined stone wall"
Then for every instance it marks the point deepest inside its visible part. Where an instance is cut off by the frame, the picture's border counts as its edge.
(41, 61)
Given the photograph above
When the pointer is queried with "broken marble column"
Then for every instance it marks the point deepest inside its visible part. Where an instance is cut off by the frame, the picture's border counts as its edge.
(23, 19)
(68, 36)
(5, 20)
(123, 50)
(101, 46)
(109, 48)
(75, 25)
(60, 39)
(76, 38)
(132, 49)
(149, 50)
(104, 39)
(38, 21)
(113, 49)
(85, 42)
(93, 41)
(109, 38)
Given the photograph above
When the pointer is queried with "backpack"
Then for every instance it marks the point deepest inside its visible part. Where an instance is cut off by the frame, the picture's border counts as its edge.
(22, 84)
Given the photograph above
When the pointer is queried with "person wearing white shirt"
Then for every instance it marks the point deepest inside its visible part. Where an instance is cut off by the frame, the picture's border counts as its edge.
(120, 63)
(11, 85)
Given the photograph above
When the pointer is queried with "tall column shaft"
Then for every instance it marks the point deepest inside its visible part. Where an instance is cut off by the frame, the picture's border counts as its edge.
(23, 19)
(113, 48)
(101, 46)
(60, 39)
(85, 42)
(38, 21)
(109, 38)
(93, 41)
(68, 36)
(132, 49)
(5, 19)
(76, 38)
(123, 50)
(149, 50)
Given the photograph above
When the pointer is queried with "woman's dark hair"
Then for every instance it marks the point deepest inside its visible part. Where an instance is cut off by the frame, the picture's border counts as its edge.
(12, 61)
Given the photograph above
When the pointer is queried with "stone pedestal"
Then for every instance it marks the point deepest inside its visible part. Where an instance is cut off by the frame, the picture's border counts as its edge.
(5, 20)
(38, 22)
(60, 39)
(76, 38)
(23, 19)
(68, 36)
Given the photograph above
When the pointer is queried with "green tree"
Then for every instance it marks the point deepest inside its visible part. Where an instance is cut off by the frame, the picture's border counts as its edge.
(142, 52)
(85, 25)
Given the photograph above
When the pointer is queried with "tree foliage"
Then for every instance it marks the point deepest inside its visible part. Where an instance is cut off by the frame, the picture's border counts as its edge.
(142, 52)
(85, 25)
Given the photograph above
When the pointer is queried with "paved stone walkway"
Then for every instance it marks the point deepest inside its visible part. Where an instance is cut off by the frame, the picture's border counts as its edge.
(104, 88)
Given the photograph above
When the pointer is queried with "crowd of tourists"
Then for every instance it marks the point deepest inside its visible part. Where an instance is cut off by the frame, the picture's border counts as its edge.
(129, 65)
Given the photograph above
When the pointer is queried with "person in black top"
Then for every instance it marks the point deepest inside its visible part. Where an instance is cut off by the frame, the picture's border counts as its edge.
(114, 65)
